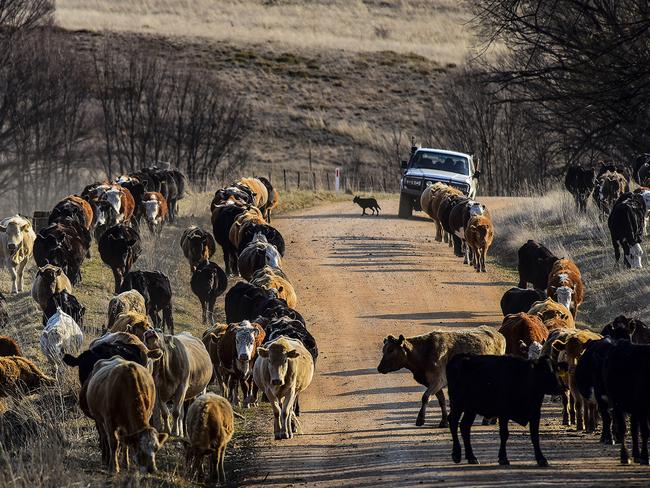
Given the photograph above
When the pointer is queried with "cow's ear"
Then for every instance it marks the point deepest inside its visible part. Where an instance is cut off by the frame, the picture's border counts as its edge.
(2, 229)
(213, 338)
(162, 438)
(263, 352)
(400, 340)
(155, 354)
(388, 339)
(58, 271)
(293, 354)
(280, 289)
(559, 345)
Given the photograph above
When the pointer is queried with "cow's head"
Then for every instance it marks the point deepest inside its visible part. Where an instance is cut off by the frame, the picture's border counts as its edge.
(139, 327)
(151, 210)
(395, 354)
(49, 275)
(245, 336)
(532, 350)
(153, 339)
(114, 198)
(633, 258)
(620, 328)
(273, 257)
(146, 444)
(14, 230)
(277, 355)
(563, 295)
(476, 208)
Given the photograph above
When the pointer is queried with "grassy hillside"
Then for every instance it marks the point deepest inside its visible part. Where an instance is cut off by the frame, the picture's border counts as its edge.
(432, 28)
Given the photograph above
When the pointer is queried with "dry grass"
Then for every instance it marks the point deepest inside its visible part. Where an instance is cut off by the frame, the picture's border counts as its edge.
(435, 28)
(552, 220)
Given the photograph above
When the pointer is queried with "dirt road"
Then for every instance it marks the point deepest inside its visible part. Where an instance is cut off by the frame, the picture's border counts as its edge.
(358, 280)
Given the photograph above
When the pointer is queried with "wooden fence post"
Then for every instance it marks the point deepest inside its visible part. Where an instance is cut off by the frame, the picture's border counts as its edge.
(284, 175)
(298, 179)
(327, 177)
(314, 173)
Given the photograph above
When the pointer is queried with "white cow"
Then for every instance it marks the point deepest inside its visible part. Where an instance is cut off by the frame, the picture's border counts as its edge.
(16, 245)
(283, 369)
(60, 336)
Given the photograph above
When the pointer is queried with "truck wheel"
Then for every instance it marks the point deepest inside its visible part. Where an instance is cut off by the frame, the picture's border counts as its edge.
(405, 207)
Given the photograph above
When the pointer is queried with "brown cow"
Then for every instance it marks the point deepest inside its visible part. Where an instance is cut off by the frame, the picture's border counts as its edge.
(210, 425)
(132, 322)
(211, 338)
(48, 281)
(85, 206)
(568, 352)
(198, 245)
(565, 285)
(553, 314)
(154, 209)
(275, 279)
(260, 192)
(521, 330)
(19, 374)
(9, 347)
(251, 216)
(121, 200)
(440, 193)
(479, 235)
(120, 397)
(237, 354)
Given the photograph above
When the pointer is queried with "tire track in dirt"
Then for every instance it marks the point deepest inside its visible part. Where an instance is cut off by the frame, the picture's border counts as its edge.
(358, 280)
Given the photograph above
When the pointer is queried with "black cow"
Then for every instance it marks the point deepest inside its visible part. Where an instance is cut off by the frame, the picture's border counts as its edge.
(580, 183)
(517, 300)
(68, 303)
(272, 235)
(625, 224)
(534, 266)
(590, 380)
(247, 302)
(67, 210)
(154, 286)
(639, 161)
(120, 248)
(179, 179)
(137, 190)
(63, 244)
(104, 217)
(222, 220)
(505, 387)
(295, 329)
(169, 182)
(87, 359)
(208, 282)
(446, 207)
(627, 383)
(459, 216)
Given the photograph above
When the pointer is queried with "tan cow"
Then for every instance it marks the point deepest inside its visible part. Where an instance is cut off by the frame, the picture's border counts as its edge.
(434, 206)
(479, 235)
(283, 370)
(275, 279)
(120, 397)
(568, 352)
(198, 245)
(565, 285)
(127, 301)
(260, 193)
(211, 338)
(553, 314)
(426, 356)
(48, 281)
(16, 246)
(426, 199)
(19, 375)
(135, 323)
(183, 373)
(210, 425)
(251, 216)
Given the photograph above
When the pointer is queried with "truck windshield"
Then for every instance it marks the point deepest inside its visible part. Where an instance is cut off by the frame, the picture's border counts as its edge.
(441, 162)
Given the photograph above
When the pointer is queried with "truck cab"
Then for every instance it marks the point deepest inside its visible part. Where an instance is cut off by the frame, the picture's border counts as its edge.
(427, 166)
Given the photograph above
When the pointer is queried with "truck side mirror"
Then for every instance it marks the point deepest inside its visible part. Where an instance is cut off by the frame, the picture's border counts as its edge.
(404, 164)
(476, 174)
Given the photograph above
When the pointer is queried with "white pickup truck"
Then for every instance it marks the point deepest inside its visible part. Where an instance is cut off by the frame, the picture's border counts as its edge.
(435, 165)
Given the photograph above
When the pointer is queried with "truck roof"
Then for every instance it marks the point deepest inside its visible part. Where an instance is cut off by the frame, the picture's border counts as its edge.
(444, 151)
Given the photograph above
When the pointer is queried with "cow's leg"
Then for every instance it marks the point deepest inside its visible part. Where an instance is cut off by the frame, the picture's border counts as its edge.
(643, 425)
(226, 262)
(177, 410)
(465, 431)
(578, 403)
(454, 416)
(483, 256)
(221, 453)
(503, 434)
(534, 437)
(20, 274)
(113, 446)
(634, 430)
(444, 421)
(14, 278)
(103, 443)
(619, 425)
(117, 277)
(204, 313)
(287, 410)
(275, 405)
(168, 318)
(245, 389)
(438, 231)
(211, 303)
(233, 390)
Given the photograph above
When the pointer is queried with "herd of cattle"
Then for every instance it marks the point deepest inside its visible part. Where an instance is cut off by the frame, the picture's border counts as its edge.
(139, 382)
(627, 212)
(537, 351)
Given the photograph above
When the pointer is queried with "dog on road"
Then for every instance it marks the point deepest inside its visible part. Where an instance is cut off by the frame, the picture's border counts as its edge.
(365, 203)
